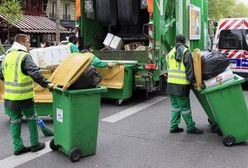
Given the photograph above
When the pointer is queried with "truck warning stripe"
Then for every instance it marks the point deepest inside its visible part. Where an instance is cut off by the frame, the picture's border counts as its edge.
(223, 24)
(233, 53)
(246, 24)
(230, 24)
(239, 24)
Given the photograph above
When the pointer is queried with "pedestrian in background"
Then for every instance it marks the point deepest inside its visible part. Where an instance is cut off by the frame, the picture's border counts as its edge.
(18, 71)
(180, 79)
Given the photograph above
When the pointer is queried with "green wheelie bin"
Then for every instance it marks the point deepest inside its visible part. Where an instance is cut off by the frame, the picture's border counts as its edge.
(75, 119)
(230, 110)
(126, 91)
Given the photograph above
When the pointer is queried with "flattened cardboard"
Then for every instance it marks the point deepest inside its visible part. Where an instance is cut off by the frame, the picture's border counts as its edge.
(112, 77)
(197, 68)
(43, 95)
(70, 69)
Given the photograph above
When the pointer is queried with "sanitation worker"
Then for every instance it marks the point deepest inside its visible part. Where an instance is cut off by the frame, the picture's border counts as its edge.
(180, 78)
(18, 71)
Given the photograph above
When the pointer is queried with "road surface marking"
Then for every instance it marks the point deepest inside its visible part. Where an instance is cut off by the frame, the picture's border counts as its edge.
(130, 111)
(14, 161)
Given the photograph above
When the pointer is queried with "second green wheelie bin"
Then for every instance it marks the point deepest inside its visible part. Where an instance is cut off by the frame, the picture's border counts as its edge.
(230, 110)
(75, 118)
(126, 91)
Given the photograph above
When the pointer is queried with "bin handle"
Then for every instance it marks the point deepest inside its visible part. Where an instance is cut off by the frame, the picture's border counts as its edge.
(61, 90)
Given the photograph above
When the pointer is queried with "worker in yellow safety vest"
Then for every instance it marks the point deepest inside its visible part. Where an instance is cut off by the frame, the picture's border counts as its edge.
(180, 78)
(18, 71)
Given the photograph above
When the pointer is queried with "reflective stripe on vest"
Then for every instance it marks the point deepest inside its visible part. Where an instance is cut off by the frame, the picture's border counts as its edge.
(176, 70)
(18, 86)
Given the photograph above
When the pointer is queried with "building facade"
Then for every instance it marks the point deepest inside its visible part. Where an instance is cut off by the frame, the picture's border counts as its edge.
(39, 21)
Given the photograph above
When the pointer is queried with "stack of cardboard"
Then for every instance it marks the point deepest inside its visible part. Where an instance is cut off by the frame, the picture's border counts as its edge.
(137, 46)
(50, 56)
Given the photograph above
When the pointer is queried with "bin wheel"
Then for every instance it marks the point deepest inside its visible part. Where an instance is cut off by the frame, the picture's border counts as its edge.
(210, 122)
(228, 140)
(119, 102)
(75, 154)
(53, 146)
(214, 128)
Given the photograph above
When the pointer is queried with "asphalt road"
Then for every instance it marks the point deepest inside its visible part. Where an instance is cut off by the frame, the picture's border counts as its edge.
(140, 139)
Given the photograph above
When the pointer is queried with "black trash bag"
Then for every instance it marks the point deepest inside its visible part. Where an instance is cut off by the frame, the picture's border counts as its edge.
(89, 79)
(213, 63)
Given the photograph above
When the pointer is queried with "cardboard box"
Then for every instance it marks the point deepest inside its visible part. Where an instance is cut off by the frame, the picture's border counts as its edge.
(219, 79)
(35, 54)
(116, 43)
(108, 39)
(50, 56)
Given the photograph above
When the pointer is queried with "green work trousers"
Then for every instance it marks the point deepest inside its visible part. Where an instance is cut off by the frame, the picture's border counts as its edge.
(15, 126)
(181, 106)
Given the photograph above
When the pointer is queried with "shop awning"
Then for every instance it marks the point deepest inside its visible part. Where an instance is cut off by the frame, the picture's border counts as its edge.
(34, 24)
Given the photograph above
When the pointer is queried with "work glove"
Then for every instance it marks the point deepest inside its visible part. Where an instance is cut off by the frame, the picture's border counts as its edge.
(111, 64)
(50, 86)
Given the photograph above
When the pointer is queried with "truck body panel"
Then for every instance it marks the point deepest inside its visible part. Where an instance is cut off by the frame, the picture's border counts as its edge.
(156, 30)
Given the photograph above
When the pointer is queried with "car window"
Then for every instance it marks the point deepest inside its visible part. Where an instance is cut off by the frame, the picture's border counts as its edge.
(230, 39)
(234, 39)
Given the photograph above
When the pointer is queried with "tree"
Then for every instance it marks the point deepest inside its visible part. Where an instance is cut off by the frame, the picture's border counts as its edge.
(221, 9)
(11, 9)
(240, 10)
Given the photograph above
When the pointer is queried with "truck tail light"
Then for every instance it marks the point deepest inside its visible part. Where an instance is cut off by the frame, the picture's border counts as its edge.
(150, 66)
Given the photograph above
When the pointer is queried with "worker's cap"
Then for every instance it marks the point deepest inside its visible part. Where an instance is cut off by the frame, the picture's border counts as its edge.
(180, 38)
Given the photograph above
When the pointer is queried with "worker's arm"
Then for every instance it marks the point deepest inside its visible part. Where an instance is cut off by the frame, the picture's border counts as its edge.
(73, 48)
(188, 62)
(96, 62)
(1, 72)
(31, 69)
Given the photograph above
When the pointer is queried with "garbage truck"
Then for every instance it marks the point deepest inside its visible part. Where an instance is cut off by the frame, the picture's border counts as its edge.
(151, 24)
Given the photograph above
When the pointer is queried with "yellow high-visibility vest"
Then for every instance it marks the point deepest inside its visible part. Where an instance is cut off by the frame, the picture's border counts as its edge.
(176, 70)
(18, 86)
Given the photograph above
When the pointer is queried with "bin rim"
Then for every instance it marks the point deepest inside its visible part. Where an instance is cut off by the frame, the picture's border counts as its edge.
(236, 80)
(97, 89)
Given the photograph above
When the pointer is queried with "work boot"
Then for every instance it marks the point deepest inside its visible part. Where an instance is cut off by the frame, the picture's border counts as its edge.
(38, 147)
(195, 131)
(176, 130)
(23, 150)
